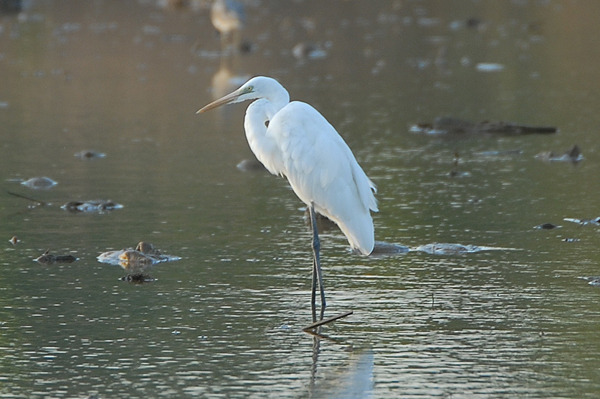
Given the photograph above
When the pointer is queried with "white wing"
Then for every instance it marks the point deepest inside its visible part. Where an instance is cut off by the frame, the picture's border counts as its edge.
(322, 170)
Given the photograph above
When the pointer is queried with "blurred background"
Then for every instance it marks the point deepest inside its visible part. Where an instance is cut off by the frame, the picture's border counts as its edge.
(100, 96)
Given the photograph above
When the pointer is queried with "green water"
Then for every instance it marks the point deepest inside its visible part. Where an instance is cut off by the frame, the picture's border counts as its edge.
(126, 78)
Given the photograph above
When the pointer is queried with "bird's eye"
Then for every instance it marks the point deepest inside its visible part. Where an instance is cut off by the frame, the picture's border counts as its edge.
(249, 89)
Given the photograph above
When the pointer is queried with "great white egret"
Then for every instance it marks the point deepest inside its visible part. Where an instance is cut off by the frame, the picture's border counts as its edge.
(294, 140)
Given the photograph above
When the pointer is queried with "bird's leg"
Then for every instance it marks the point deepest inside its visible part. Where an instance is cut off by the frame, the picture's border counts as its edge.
(317, 273)
(313, 294)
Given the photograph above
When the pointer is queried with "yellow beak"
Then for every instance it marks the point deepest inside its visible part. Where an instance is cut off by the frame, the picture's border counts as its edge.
(221, 101)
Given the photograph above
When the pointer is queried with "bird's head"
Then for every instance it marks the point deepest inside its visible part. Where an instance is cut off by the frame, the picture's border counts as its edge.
(257, 87)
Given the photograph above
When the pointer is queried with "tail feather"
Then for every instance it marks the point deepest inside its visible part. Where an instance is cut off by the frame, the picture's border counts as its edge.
(360, 232)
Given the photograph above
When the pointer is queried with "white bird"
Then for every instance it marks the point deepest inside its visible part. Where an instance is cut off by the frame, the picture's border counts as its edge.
(228, 17)
(294, 140)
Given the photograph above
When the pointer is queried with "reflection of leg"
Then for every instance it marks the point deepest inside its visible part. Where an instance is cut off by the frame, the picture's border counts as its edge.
(316, 348)
(317, 273)
(236, 41)
(224, 43)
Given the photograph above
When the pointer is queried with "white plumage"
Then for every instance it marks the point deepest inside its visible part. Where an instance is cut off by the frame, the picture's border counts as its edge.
(300, 144)
(294, 140)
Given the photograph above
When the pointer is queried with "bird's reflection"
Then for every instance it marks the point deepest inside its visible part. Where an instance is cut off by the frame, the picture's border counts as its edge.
(228, 18)
(352, 381)
(315, 360)
(224, 81)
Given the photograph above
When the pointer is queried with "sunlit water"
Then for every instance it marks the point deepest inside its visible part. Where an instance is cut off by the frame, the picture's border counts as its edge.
(125, 78)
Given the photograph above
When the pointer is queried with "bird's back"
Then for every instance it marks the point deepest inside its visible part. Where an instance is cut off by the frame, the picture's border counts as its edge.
(322, 170)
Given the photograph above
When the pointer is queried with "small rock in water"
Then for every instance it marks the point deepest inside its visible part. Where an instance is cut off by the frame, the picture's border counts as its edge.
(99, 206)
(457, 174)
(39, 183)
(547, 226)
(85, 155)
(250, 165)
(592, 280)
(14, 240)
(49, 259)
(138, 278)
(489, 67)
(307, 50)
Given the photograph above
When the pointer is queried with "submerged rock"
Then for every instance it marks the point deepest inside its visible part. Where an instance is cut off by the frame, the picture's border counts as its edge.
(547, 226)
(49, 259)
(85, 155)
(492, 153)
(304, 50)
(571, 239)
(138, 278)
(449, 125)
(383, 248)
(489, 67)
(39, 183)
(91, 206)
(455, 249)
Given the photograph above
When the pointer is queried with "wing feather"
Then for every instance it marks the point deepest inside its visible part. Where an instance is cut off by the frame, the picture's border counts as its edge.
(322, 170)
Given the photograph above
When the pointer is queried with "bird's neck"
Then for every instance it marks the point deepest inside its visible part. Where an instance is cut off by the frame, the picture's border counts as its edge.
(274, 103)
(258, 116)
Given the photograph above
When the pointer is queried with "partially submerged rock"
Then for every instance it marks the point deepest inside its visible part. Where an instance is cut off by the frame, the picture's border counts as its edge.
(547, 226)
(383, 248)
(386, 249)
(449, 125)
(87, 154)
(91, 206)
(592, 280)
(500, 153)
(251, 165)
(50, 259)
(583, 222)
(455, 249)
(39, 183)
(573, 155)
(142, 257)
(138, 278)
(136, 258)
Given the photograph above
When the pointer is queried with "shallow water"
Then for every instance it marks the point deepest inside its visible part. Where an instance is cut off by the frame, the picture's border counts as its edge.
(125, 78)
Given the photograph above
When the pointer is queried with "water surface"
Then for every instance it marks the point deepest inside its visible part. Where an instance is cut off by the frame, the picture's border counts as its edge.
(126, 77)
